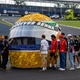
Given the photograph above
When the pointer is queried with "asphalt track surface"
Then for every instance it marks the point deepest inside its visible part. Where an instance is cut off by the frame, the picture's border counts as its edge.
(34, 74)
(66, 30)
(4, 30)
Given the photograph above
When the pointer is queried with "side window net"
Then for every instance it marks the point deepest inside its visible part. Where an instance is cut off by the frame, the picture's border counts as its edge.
(25, 41)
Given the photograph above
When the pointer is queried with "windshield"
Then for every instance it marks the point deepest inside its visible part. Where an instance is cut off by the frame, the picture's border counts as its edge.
(67, 13)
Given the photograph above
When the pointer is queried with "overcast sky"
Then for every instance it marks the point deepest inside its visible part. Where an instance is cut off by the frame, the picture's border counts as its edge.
(28, 2)
(6, 1)
(68, 0)
(10, 1)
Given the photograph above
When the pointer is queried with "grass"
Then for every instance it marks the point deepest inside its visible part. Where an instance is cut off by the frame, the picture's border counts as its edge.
(5, 23)
(69, 23)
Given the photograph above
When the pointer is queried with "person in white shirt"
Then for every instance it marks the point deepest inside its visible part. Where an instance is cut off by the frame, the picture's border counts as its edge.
(43, 52)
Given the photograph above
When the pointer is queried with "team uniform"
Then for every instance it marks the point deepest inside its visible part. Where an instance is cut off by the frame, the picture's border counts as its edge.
(62, 52)
(53, 51)
(54, 45)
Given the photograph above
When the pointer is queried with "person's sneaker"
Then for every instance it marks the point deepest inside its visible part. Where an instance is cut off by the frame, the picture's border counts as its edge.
(72, 68)
(61, 69)
(78, 67)
(50, 65)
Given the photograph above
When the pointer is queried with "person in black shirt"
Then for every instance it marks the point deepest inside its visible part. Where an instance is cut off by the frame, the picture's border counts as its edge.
(78, 67)
(5, 52)
(1, 47)
(76, 48)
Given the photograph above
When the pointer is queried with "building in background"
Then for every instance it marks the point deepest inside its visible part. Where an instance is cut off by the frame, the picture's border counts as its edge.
(47, 7)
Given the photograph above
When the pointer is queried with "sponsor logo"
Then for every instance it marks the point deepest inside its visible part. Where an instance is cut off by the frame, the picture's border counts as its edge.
(7, 11)
(26, 12)
(41, 24)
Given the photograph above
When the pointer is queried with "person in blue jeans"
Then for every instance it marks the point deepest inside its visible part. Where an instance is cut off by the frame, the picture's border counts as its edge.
(67, 47)
(62, 52)
(71, 51)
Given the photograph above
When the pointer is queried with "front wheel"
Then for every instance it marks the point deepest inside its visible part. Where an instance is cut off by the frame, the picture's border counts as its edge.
(70, 18)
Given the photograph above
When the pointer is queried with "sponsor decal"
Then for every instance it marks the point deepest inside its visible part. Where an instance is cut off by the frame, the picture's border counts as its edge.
(48, 25)
(15, 15)
(5, 11)
(10, 11)
(4, 15)
(42, 24)
(26, 12)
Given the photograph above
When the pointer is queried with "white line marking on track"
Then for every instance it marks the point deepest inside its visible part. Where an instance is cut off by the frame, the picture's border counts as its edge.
(69, 26)
(7, 21)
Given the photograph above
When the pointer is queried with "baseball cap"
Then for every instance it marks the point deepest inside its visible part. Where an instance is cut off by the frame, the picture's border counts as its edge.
(2, 37)
(74, 36)
(69, 35)
(61, 36)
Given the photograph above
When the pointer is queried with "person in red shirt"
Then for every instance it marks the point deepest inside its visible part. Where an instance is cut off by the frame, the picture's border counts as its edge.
(53, 51)
(62, 52)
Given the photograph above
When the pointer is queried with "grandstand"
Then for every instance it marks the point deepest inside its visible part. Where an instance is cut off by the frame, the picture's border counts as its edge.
(47, 7)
